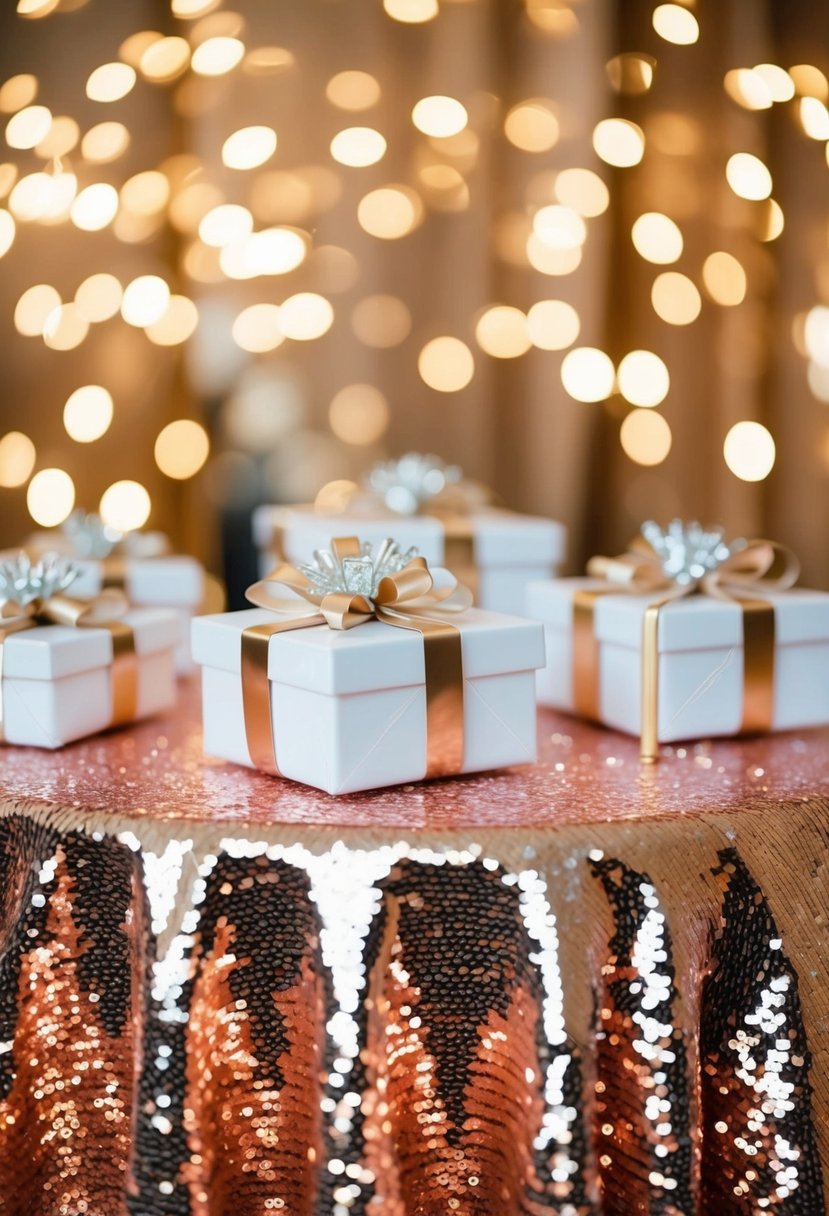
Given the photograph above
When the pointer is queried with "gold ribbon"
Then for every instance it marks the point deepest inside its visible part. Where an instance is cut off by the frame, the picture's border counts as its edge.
(409, 599)
(760, 565)
(102, 612)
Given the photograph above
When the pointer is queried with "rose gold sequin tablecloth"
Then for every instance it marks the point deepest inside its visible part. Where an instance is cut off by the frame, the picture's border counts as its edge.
(581, 988)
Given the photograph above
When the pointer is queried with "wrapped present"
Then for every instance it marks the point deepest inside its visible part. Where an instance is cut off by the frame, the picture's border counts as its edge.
(686, 636)
(140, 564)
(71, 667)
(428, 505)
(363, 670)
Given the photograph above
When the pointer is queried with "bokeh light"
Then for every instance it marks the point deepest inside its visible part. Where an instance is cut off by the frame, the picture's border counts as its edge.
(217, 56)
(249, 147)
(7, 231)
(176, 324)
(353, 90)
(675, 24)
(724, 278)
(583, 191)
(65, 328)
(619, 142)
(657, 238)
(50, 497)
(439, 116)
(225, 223)
(631, 73)
(381, 321)
(748, 177)
(95, 207)
(256, 329)
(165, 59)
(559, 227)
(411, 12)
(501, 331)
(587, 374)
(105, 142)
(125, 506)
(749, 451)
(17, 459)
(446, 364)
(60, 139)
(359, 414)
(675, 298)
(34, 306)
(645, 437)
(99, 297)
(553, 325)
(145, 300)
(358, 147)
(28, 127)
(145, 193)
(181, 449)
(389, 212)
(532, 126)
(18, 91)
(110, 82)
(88, 413)
(643, 378)
(305, 316)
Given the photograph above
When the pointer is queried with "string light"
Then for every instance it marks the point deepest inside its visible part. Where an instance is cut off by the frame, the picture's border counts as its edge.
(619, 142)
(559, 227)
(553, 325)
(105, 142)
(657, 238)
(50, 497)
(249, 147)
(390, 212)
(439, 116)
(17, 459)
(256, 329)
(181, 449)
(675, 24)
(125, 506)
(28, 127)
(749, 451)
(583, 191)
(145, 300)
(88, 413)
(17, 92)
(305, 316)
(645, 437)
(501, 331)
(7, 231)
(381, 321)
(95, 207)
(675, 298)
(110, 82)
(446, 364)
(33, 307)
(411, 12)
(99, 297)
(643, 378)
(747, 176)
(724, 279)
(352, 90)
(359, 414)
(217, 56)
(358, 147)
(532, 126)
(587, 374)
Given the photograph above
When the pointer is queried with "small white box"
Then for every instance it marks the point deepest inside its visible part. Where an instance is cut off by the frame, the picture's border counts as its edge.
(349, 707)
(700, 659)
(509, 549)
(57, 679)
(176, 583)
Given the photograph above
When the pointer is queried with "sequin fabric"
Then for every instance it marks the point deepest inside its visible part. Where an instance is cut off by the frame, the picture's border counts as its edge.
(392, 1031)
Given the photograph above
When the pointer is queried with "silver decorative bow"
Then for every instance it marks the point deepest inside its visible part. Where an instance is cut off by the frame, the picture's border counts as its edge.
(406, 484)
(330, 573)
(23, 581)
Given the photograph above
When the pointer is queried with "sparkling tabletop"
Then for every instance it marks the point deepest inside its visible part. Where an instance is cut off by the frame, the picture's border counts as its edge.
(156, 770)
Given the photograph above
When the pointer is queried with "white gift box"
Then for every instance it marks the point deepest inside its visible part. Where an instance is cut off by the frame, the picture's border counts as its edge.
(57, 679)
(176, 583)
(700, 670)
(349, 707)
(509, 549)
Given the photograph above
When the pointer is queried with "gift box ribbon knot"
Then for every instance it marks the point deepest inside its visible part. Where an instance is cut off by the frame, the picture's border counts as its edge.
(102, 612)
(739, 573)
(412, 597)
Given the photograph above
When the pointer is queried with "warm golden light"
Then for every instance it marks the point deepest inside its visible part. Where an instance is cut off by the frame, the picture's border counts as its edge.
(95, 207)
(773, 221)
(553, 325)
(181, 449)
(411, 12)
(134, 46)
(724, 279)
(269, 252)
(125, 506)
(747, 176)
(748, 89)
(7, 231)
(657, 238)
(552, 17)
(188, 9)
(559, 227)
(256, 329)
(225, 223)
(817, 375)
(110, 82)
(643, 378)
(217, 56)
(305, 316)
(809, 81)
(60, 139)
(814, 118)
(353, 90)
(381, 321)
(548, 260)
(619, 142)
(28, 127)
(46, 197)
(816, 334)
(249, 147)
(532, 126)
(17, 459)
(439, 117)
(587, 374)
(675, 24)
(335, 495)
(50, 497)
(390, 212)
(749, 451)
(267, 61)
(501, 331)
(105, 142)
(583, 191)
(359, 414)
(65, 328)
(8, 176)
(176, 324)
(165, 59)
(777, 80)
(35, 9)
(99, 297)
(675, 298)
(191, 204)
(17, 92)
(33, 307)
(630, 73)
(145, 301)
(146, 193)
(88, 413)
(358, 147)
(446, 364)
(645, 437)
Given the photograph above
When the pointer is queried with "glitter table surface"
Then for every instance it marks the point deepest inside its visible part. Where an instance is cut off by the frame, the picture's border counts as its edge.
(584, 774)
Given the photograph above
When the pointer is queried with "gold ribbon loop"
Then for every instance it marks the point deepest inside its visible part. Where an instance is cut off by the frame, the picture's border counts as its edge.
(411, 598)
(757, 567)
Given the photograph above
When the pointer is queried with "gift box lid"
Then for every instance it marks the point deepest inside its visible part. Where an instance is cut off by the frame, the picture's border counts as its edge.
(371, 656)
(50, 652)
(696, 622)
(171, 581)
(307, 529)
(507, 538)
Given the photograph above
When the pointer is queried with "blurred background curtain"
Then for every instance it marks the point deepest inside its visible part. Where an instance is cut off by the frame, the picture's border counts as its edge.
(471, 199)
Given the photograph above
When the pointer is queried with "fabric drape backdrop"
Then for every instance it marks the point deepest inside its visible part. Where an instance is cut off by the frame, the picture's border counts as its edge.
(513, 426)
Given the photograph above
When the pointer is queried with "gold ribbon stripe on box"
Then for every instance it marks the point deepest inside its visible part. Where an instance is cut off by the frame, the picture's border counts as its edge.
(102, 612)
(760, 565)
(408, 599)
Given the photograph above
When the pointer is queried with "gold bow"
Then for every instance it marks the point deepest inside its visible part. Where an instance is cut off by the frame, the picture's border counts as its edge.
(759, 565)
(400, 600)
(102, 612)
